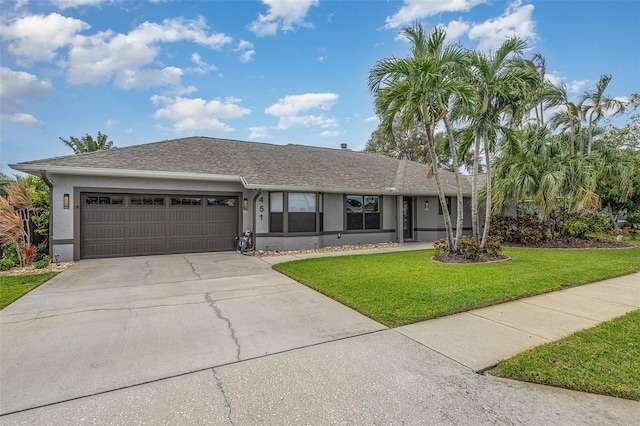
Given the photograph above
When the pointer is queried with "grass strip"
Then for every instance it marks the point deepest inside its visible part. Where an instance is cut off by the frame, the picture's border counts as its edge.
(14, 287)
(404, 287)
(604, 359)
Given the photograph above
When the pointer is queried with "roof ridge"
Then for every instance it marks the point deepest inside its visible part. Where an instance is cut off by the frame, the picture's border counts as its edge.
(401, 173)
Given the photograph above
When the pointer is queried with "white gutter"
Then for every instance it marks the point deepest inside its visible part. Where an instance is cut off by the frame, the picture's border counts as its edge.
(35, 169)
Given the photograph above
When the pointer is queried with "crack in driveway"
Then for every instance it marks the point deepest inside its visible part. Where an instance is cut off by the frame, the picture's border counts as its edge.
(216, 309)
(227, 404)
(193, 269)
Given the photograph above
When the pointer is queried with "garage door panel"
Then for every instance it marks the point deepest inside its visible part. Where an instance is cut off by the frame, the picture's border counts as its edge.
(147, 231)
(219, 230)
(98, 250)
(105, 233)
(134, 225)
(142, 248)
(177, 215)
(147, 215)
(219, 244)
(185, 246)
(93, 215)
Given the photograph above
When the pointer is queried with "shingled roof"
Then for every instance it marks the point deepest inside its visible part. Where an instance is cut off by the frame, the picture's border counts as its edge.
(256, 165)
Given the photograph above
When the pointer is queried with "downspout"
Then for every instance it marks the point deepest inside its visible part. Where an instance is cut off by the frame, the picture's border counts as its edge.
(46, 180)
(253, 215)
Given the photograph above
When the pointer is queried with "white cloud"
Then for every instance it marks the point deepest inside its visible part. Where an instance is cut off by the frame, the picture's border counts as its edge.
(283, 15)
(110, 123)
(455, 29)
(25, 119)
(203, 67)
(38, 37)
(330, 133)
(19, 86)
(516, 21)
(104, 56)
(259, 132)
(64, 4)
(289, 108)
(574, 86)
(371, 119)
(417, 9)
(246, 50)
(189, 114)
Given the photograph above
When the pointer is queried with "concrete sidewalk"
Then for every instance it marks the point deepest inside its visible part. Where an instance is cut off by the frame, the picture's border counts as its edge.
(478, 339)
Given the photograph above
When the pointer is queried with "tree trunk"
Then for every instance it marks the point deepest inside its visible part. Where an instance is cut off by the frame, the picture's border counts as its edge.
(443, 200)
(487, 218)
(475, 220)
(459, 196)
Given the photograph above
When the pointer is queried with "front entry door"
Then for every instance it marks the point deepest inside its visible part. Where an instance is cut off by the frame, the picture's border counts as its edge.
(407, 218)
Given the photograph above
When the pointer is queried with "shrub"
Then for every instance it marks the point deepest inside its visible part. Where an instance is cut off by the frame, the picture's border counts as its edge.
(42, 251)
(523, 229)
(42, 263)
(441, 247)
(633, 218)
(470, 248)
(494, 245)
(29, 252)
(9, 253)
(6, 264)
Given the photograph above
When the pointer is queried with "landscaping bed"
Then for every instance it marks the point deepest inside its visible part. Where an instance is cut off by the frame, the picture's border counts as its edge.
(574, 243)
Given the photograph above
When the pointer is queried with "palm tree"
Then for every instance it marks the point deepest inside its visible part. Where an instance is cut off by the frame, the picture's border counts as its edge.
(418, 90)
(536, 167)
(569, 119)
(501, 79)
(87, 143)
(594, 104)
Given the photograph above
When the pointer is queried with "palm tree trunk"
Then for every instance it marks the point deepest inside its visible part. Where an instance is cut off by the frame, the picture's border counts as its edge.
(443, 200)
(487, 218)
(475, 220)
(459, 196)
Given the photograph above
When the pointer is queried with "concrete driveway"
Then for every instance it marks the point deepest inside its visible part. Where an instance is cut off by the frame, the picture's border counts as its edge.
(114, 323)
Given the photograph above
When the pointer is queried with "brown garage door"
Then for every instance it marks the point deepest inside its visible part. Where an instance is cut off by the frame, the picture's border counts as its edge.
(118, 225)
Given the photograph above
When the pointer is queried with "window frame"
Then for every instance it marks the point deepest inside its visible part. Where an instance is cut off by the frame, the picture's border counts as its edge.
(364, 212)
(283, 217)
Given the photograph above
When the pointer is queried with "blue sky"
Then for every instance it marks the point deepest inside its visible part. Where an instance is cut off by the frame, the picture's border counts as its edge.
(268, 71)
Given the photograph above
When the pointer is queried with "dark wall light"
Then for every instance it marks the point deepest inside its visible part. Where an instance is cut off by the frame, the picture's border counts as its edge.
(426, 205)
(65, 201)
(245, 204)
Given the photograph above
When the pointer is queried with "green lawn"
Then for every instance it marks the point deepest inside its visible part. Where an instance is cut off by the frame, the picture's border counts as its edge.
(604, 359)
(404, 287)
(13, 288)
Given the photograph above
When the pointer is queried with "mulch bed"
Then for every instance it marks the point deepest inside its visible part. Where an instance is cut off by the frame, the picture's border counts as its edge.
(556, 243)
(459, 258)
(574, 243)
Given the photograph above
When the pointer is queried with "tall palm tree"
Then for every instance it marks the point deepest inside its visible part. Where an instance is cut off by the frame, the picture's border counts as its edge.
(502, 79)
(418, 90)
(568, 120)
(87, 144)
(594, 105)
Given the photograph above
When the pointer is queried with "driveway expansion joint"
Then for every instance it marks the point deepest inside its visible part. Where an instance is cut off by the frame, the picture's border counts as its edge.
(216, 309)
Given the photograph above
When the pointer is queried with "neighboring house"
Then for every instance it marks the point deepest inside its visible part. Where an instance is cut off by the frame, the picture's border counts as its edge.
(196, 194)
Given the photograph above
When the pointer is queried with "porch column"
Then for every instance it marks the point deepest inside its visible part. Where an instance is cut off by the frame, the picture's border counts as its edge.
(399, 219)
